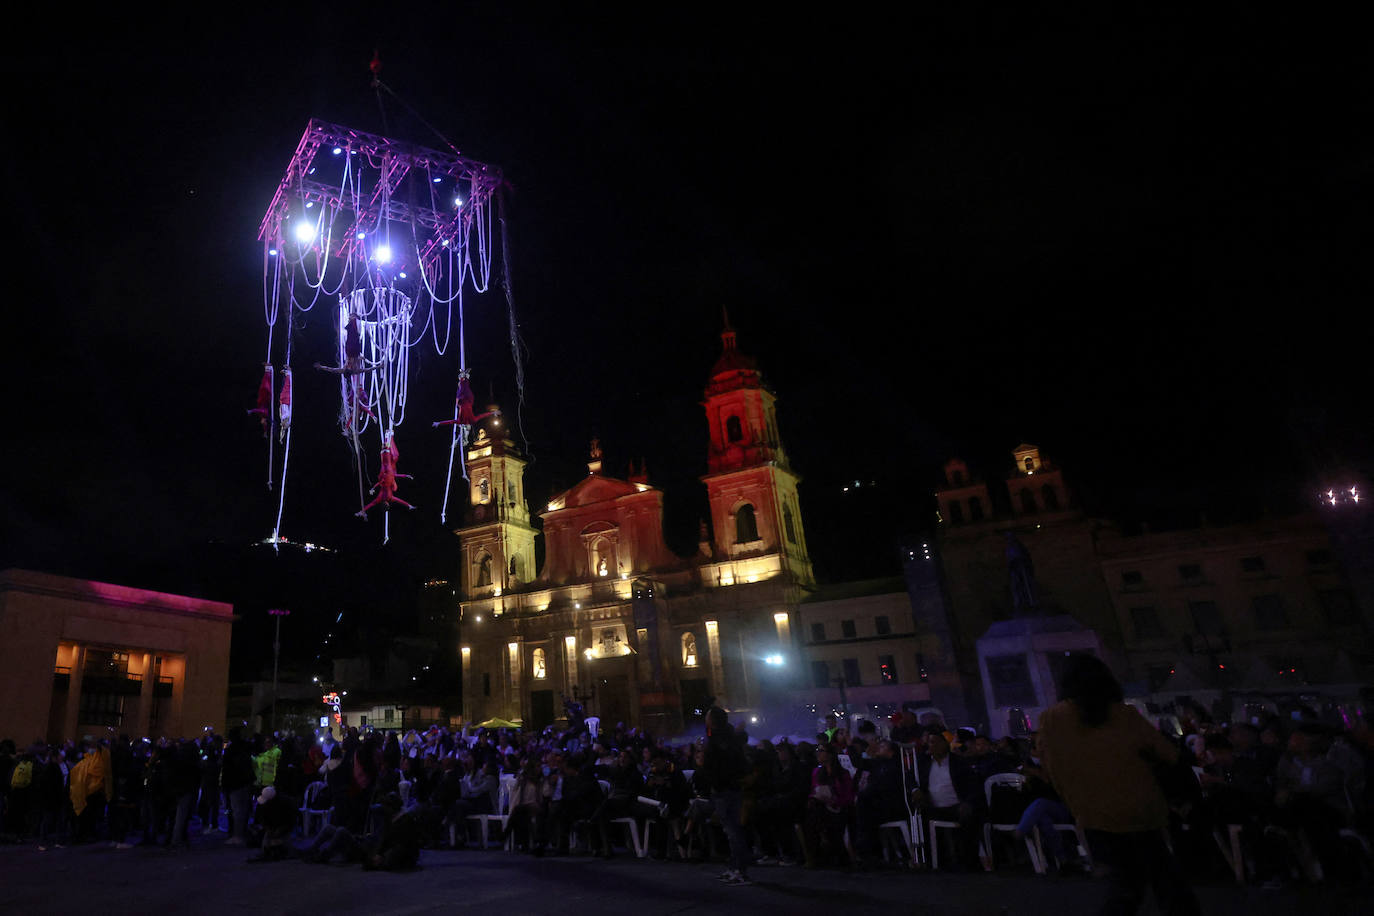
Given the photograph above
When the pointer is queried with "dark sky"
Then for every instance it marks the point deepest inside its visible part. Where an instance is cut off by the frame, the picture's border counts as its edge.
(1139, 243)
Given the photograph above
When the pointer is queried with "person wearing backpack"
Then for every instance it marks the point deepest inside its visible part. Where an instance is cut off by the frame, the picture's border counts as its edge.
(726, 766)
(21, 779)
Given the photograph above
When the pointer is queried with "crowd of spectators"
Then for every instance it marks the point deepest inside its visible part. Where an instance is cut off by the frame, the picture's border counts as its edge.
(383, 796)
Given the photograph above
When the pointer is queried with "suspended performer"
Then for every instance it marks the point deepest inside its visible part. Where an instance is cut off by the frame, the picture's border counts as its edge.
(264, 409)
(464, 401)
(353, 368)
(385, 488)
(284, 405)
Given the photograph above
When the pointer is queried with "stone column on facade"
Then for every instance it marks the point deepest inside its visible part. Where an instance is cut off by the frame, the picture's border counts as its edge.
(145, 699)
(717, 665)
(465, 678)
(569, 663)
(515, 694)
(72, 713)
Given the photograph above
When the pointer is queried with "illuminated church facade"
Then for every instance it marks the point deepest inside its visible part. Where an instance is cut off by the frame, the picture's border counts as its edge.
(652, 637)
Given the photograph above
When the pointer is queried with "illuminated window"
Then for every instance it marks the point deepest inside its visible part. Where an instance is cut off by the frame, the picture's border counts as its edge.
(537, 663)
(483, 490)
(689, 650)
(746, 526)
(734, 431)
(887, 669)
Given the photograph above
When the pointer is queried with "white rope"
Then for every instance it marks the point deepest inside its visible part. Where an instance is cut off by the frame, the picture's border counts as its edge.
(281, 496)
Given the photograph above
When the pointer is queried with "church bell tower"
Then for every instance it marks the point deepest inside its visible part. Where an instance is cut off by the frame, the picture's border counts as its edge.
(497, 538)
(750, 484)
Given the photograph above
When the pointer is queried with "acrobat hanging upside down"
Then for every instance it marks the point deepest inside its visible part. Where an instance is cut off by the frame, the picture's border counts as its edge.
(264, 409)
(352, 369)
(464, 402)
(385, 488)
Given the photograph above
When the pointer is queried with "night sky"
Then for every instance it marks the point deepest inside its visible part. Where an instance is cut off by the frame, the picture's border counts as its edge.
(1138, 243)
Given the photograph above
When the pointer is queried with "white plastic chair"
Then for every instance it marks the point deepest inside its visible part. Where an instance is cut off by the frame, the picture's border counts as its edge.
(1017, 781)
(484, 821)
(312, 818)
(909, 829)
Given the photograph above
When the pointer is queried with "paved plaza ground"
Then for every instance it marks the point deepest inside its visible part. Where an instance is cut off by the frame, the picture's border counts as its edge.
(212, 878)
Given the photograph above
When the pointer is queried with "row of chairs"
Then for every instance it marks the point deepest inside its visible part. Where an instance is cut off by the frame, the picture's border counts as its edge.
(920, 837)
(639, 842)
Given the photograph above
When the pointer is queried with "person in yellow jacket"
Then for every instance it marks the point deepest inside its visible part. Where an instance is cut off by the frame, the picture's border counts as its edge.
(1100, 755)
(265, 764)
(90, 783)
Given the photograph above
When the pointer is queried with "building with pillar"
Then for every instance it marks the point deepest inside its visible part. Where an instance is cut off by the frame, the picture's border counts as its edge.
(652, 637)
(78, 657)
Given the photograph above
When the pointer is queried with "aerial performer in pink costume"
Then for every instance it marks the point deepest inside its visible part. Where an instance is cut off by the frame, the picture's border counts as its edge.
(464, 402)
(385, 488)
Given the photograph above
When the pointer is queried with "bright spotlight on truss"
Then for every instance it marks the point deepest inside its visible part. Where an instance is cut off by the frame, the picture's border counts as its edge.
(382, 188)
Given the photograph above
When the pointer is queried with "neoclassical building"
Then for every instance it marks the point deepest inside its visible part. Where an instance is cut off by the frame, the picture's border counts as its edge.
(613, 611)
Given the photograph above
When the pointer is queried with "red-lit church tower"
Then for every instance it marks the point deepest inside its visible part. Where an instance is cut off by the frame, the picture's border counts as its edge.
(756, 518)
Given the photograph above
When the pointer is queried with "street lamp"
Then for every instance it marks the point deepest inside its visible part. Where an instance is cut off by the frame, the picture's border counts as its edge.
(276, 659)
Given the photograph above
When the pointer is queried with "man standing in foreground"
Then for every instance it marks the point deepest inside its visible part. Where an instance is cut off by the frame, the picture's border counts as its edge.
(726, 766)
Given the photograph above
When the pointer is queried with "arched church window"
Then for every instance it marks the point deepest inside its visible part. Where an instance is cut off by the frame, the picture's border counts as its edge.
(510, 492)
(601, 568)
(975, 509)
(734, 431)
(539, 665)
(689, 650)
(483, 490)
(746, 525)
(517, 567)
(484, 570)
(787, 525)
(1051, 497)
(1028, 501)
(1030, 463)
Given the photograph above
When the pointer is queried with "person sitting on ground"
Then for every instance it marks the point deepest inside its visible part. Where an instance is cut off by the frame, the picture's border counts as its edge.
(276, 816)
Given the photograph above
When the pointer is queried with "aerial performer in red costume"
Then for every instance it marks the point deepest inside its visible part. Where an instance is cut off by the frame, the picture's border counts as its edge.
(264, 409)
(385, 488)
(353, 367)
(464, 402)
